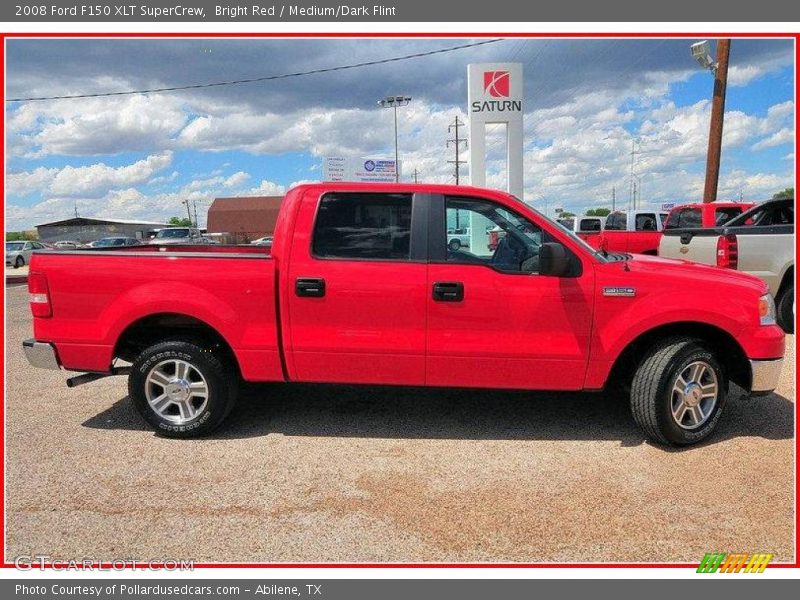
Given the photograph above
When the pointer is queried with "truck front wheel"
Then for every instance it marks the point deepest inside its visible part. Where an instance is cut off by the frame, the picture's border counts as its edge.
(182, 389)
(678, 392)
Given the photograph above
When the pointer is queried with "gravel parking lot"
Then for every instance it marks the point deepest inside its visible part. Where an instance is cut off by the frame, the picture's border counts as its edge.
(346, 474)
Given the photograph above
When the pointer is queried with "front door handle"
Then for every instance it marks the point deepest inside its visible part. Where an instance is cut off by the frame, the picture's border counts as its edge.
(448, 291)
(309, 287)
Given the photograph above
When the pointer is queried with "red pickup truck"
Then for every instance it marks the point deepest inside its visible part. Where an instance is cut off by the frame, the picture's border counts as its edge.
(637, 232)
(360, 287)
(710, 214)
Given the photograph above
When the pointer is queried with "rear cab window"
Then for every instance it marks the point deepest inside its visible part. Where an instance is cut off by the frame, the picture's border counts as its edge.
(363, 226)
(723, 215)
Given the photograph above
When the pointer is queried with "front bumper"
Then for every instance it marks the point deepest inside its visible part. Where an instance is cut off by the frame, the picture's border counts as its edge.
(41, 354)
(766, 374)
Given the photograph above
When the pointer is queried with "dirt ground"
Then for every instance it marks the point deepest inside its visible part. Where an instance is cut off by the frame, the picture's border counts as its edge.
(348, 474)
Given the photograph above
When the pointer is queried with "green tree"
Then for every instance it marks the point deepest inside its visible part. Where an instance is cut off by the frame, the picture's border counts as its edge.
(565, 214)
(787, 194)
(21, 236)
(598, 212)
(180, 221)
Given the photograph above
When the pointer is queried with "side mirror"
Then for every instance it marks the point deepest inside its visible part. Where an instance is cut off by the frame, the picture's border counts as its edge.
(553, 259)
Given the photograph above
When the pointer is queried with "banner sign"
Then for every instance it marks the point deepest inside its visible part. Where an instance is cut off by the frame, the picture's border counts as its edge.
(370, 170)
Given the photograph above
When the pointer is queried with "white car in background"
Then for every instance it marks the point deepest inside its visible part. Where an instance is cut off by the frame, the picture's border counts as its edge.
(264, 241)
(18, 254)
(178, 235)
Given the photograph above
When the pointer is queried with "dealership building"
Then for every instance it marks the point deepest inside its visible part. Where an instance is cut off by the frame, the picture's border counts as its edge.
(85, 230)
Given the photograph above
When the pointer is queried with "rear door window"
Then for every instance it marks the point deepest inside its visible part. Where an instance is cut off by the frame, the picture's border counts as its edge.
(689, 218)
(589, 225)
(363, 226)
(617, 222)
(646, 222)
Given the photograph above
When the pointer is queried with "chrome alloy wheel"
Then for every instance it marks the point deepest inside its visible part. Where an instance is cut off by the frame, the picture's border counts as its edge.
(176, 390)
(694, 395)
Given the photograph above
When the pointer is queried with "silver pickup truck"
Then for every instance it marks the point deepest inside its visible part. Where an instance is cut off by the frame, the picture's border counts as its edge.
(759, 241)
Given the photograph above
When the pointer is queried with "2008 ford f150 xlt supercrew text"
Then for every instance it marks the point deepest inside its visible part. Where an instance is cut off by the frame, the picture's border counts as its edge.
(361, 287)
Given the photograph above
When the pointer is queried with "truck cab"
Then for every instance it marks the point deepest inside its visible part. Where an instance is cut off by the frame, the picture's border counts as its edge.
(634, 232)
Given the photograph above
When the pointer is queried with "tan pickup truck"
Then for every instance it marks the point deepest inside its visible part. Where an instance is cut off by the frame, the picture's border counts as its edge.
(759, 241)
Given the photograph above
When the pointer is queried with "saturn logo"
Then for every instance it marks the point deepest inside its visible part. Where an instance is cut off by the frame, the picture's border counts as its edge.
(497, 83)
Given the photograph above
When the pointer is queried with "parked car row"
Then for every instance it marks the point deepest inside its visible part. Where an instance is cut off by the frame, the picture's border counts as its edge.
(759, 241)
(18, 253)
(744, 236)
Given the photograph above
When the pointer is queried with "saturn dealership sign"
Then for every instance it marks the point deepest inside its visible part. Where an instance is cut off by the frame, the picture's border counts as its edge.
(495, 97)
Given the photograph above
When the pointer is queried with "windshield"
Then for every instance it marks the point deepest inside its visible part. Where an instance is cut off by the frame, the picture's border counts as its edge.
(172, 233)
(571, 234)
(14, 246)
(109, 242)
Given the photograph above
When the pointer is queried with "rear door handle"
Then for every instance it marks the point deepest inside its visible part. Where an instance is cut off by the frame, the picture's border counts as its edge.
(448, 291)
(309, 287)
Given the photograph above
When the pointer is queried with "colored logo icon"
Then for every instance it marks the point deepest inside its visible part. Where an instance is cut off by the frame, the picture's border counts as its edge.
(497, 83)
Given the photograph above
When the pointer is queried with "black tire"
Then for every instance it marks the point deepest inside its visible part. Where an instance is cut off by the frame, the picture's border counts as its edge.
(20, 262)
(785, 309)
(454, 245)
(221, 381)
(652, 391)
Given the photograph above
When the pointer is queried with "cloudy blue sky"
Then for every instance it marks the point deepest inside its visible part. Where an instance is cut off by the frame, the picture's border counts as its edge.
(139, 156)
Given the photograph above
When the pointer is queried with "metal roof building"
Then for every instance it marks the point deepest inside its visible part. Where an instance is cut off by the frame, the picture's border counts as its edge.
(86, 229)
(245, 218)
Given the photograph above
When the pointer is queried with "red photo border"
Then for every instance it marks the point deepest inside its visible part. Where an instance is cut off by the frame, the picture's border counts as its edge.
(346, 35)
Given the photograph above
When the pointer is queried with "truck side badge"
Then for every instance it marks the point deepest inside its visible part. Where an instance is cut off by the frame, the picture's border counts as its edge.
(627, 292)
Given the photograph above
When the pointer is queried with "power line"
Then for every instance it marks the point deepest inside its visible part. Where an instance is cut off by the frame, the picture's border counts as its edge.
(370, 63)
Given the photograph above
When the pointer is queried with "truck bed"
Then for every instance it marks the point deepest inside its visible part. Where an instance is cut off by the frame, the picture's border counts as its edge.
(96, 294)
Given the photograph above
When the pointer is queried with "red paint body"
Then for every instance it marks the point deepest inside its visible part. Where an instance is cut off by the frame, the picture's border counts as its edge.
(378, 323)
(631, 240)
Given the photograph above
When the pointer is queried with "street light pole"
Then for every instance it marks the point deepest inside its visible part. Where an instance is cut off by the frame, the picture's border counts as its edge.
(396, 153)
(393, 102)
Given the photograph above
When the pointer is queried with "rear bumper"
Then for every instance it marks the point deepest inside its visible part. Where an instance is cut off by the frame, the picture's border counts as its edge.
(766, 374)
(41, 355)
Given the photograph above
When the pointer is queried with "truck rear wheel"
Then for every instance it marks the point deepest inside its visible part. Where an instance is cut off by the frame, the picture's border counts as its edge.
(786, 309)
(678, 392)
(454, 245)
(181, 388)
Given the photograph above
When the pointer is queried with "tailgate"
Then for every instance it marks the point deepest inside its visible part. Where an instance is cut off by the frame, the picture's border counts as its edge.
(696, 245)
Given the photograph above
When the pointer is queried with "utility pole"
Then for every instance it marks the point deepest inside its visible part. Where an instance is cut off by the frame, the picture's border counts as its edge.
(613, 198)
(415, 174)
(632, 202)
(194, 204)
(717, 119)
(456, 141)
(76, 209)
(188, 210)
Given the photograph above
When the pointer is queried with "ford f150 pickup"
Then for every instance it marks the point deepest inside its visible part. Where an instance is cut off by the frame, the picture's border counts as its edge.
(360, 287)
(759, 241)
